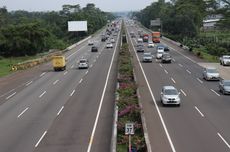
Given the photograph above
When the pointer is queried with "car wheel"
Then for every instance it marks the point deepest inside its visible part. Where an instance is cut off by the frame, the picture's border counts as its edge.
(178, 105)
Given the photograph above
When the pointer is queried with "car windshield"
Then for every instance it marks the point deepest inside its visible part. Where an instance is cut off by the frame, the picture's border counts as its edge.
(147, 55)
(227, 83)
(226, 57)
(166, 56)
(171, 92)
(82, 61)
(212, 71)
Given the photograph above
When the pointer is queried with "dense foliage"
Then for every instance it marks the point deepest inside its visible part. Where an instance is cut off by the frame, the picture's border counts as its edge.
(28, 33)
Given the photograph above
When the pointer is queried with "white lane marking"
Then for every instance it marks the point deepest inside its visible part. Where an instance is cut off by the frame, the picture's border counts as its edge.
(55, 82)
(42, 74)
(199, 80)
(80, 80)
(173, 80)
(155, 103)
(91, 66)
(42, 94)
(166, 71)
(72, 93)
(60, 111)
(65, 72)
(183, 55)
(222, 138)
(189, 71)
(174, 60)
(72, 66)
(74, 52)
(215, 92)
(202, 115)
(86, 72)
(183, 92)
(160, 65)
(101, 101)
(40, 139)
(7, 92)
(23, 112)
(180, 65)
(11, 95)
(95, 60)
(97, 56)
(27, 84)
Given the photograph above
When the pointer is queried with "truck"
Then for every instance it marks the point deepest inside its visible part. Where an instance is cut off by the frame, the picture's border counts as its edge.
(59, 62)
(145, 37)
(156, 37)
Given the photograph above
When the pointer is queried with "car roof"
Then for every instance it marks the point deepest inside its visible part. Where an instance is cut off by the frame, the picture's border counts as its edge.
(168, 87)
(147, 53)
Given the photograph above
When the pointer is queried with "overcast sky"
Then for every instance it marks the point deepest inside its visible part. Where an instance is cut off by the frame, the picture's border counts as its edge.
(49, 5)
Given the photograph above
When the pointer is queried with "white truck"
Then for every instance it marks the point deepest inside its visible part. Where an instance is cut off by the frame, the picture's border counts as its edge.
(225, 60)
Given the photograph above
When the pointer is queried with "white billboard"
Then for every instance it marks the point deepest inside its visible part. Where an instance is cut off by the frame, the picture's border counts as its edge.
(77, 26)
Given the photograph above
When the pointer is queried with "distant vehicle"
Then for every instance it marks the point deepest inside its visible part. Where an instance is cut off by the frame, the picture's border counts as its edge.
(156, 37)
(59, 63)
(170, 95)
(112, 40)
(224, 86)
(160, 51)
(90, 42)
(140, 48)
(115, 34)
(109, 45)
(150, 44)
(94, 49)
(225, 60)
(211, 73)
(145, 37)
(103, 38)
(166, 48)
(83, 64)
(139, 40)
(147, 57)
(166, 58)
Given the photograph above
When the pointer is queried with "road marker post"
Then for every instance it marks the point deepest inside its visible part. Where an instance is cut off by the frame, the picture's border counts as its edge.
(129, 130)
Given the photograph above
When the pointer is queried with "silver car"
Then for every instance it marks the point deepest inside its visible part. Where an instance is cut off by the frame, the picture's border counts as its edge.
(211, 73)
(147, 57)
(224, 86)
(170, 95)
(83, 64)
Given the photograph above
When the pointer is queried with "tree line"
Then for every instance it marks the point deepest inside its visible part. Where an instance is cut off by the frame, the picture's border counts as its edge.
(29, 33)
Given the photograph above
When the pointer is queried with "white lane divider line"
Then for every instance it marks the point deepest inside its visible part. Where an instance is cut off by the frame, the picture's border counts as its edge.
(23, 112)
(80, 81)
(173, 80)
(180, 65)
(166, 71)
(74, 52)
(60, 111)
(40, 139)
(91, 66)
(199, 80)
(55, 82)
(11, 95)
(97, 56)
(42, 94)
(72, 66)
(189, 71)
(222, 138)
(72, 93)
(43, 74)
(65, 72)
(183, 92)
(86, 72)
(215, 92)
(202, 115)
(95, 60)
(174, 60)
(160, 65)
(27, 84)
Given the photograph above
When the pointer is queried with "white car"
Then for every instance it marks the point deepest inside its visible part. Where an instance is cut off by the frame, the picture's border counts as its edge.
(170, 95)
(139, 40)
(112, 40)
(150, 44)
(160, 52)
(90, 42)
(225, 60)
(109, 45)
(147, 57)
(83, 64)
(211, 73)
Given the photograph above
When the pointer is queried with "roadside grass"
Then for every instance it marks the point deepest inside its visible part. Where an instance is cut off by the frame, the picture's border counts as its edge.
(204, 55)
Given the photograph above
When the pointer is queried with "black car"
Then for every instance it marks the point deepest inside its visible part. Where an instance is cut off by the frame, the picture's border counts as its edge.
(103, 38)
(166, 58)
(94, 49)
(166, 48)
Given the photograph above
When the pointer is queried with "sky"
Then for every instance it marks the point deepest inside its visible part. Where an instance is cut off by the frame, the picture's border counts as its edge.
(56, 5)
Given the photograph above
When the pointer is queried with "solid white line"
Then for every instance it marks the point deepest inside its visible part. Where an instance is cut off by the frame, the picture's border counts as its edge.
(42, 74)
(183, 55)
(74, 52)
(40, 139)
(223, 140)
(155, 103)
(23, 112)
(72, 93)
(42, 94)
(173, 80)
(160, 65)
(166, 71)
(60, 111)
(101, 101)
(215, 92)
(86, 72)
(199, 80)
(29, 83)
(80, 80)
(202, 115)
(183, 92)
(180, 65)
(189, 71)
(55, 82)
(65, 72)
(10, 96)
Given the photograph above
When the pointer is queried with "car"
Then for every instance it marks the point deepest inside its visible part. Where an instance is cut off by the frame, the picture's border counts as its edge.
(166, 58)
(90, 42)
(94, 49)
(225, 60)
(211, 73)
(141, 48)
(166, 48)
(170, 96)
(224, 86)
(160, 52)
(140, 45)
(112, 40)
(139, 40)
(115, 34)
(109, 45)
(83, 64)
(150, 44)
(147, 57)
(103, 38)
